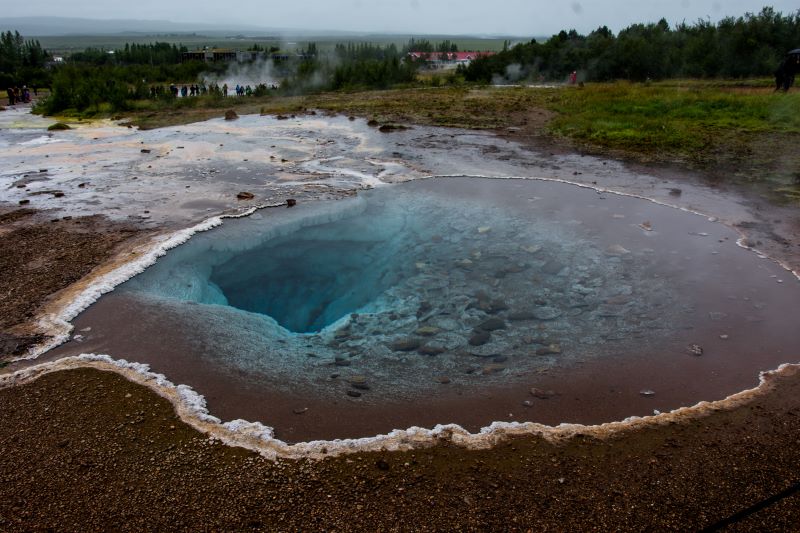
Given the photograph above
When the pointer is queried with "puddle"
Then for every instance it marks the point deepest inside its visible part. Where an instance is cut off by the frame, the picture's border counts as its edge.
(447, 301)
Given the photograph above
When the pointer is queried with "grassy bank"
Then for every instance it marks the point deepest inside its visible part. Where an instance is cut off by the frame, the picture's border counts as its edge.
(740, 131)
(749, 132)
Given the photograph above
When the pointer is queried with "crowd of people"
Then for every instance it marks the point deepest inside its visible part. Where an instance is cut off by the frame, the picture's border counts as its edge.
(18, 95)
(201, 89)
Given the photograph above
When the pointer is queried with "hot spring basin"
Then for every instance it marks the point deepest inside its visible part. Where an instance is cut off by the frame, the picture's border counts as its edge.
(448, 300)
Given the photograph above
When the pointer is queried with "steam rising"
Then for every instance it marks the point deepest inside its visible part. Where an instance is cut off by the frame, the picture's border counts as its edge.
(261, 71)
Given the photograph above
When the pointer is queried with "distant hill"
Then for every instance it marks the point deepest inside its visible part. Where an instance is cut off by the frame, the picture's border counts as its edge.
(68, 26)
(60, 26)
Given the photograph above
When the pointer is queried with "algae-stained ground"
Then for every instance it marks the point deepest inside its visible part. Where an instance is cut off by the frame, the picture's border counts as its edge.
(733, 131)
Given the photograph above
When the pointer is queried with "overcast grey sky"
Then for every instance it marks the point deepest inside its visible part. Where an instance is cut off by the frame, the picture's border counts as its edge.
(517, 17)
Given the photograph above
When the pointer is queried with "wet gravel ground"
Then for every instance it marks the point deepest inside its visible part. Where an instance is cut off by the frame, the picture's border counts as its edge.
(86, 450)
(41, 253)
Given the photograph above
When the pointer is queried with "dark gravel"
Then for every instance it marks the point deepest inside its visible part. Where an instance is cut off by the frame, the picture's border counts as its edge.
(85, 450)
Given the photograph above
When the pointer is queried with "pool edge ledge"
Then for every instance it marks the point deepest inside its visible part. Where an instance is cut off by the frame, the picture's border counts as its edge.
(255, 436)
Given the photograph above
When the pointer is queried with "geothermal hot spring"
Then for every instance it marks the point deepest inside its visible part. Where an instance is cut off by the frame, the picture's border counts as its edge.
(454, 300)
(445, 300)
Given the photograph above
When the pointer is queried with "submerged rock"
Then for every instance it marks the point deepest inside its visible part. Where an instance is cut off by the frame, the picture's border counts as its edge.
(552, 349)
(431, 350)
(405, 345)
(479, 338)
(546, 313)
(542, 394)
(492, 368)
(531, 249)
(695, 349)
(617, 250)
(492, 324)
(427, 331)
(521, 316)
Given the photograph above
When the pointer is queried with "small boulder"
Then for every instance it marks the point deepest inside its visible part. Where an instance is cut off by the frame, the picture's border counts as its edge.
(230, 114)
(244, 195)
(492, 368)
(546, 313)
(427, 331)
(431, 350)
(552, 349)
(387, 128)
(492, 324)
(617, 250)
(405, 345)
(695, 349)
(521, 316)
(479, 338)
(58, 126)
(542, 394)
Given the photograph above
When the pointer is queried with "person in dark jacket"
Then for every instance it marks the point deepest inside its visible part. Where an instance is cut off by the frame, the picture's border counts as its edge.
(784, 76)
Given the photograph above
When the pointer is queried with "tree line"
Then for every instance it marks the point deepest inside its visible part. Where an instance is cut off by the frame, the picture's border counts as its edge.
(22, 62)
(748, 46)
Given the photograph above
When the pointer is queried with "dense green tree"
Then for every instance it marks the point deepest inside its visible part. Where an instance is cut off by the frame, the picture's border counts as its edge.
(750, 45)
(22, 61)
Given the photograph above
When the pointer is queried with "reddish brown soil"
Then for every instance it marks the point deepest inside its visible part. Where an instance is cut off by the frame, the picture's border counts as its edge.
(40, 256)
(89, 451)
